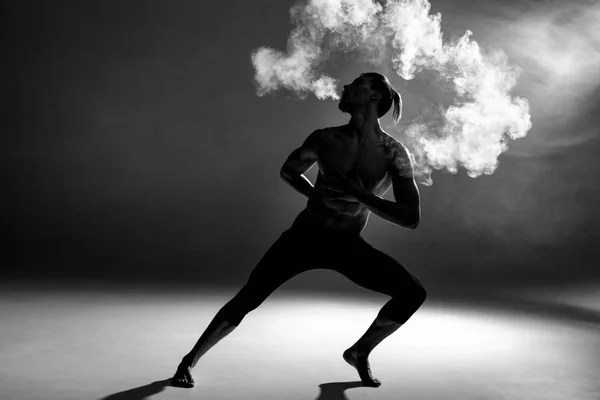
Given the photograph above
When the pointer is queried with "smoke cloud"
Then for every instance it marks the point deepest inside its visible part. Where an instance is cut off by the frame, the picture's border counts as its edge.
(471, 132)
(558, 44)
(321, 26)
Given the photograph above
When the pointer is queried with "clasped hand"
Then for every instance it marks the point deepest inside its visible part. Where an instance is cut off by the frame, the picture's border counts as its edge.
(349, 187)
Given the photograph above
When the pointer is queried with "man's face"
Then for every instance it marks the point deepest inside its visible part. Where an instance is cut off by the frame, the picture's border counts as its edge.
(356, 94)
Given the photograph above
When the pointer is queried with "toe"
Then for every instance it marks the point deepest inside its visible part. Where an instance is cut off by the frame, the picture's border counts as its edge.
(180, 382)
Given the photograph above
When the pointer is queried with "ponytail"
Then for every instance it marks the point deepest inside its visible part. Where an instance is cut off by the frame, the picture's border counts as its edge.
(397, 114)
(382, 84)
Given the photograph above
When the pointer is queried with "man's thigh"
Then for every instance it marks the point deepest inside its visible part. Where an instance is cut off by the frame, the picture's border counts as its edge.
(288, 256)
(375, 270)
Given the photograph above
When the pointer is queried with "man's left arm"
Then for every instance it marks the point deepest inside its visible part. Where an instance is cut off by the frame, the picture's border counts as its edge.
(405, 211)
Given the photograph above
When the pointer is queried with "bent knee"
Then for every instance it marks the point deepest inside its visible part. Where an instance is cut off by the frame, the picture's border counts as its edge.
(416, 293)
(421, 295)
(419, 290)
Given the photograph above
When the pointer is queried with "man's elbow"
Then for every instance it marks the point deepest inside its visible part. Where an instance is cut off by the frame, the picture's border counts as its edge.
(284, 174)
(408, 225)
(411, 224)
(414, 222)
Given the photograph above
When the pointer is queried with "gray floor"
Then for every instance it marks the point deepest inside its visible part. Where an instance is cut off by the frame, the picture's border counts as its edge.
(117, 345)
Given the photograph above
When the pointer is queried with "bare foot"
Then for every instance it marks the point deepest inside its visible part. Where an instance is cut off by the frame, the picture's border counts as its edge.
(361, 363)
(183, 377)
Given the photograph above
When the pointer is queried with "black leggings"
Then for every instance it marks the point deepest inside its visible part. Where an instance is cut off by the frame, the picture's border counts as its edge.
(306, 246)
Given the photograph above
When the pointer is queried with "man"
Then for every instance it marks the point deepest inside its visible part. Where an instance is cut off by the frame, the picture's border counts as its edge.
(358, 163)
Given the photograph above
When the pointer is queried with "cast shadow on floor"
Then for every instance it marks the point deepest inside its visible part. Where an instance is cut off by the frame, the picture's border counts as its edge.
(329, 391)
(141, 392)
(335, 390)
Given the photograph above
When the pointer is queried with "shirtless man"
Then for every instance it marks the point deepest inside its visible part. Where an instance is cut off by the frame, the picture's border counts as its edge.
(358, 163)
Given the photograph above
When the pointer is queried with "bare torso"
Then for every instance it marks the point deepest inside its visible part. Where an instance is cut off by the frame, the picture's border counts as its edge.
(339, 149)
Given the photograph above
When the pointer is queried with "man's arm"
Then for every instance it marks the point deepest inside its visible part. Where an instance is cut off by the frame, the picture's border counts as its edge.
(406, 210)
(300, 161)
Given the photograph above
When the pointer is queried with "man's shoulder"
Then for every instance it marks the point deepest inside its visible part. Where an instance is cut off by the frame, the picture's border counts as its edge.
(326, 132)
(397, 149)
(399, 154)
(336, 128)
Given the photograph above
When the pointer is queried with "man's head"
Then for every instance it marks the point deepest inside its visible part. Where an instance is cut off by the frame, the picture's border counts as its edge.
(371, 87)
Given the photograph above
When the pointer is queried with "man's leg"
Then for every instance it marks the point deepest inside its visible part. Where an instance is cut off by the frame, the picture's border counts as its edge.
(377, 271)
(216, 330)
(284, 259)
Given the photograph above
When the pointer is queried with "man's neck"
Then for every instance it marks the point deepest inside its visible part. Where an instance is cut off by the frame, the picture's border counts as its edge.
(366, 125)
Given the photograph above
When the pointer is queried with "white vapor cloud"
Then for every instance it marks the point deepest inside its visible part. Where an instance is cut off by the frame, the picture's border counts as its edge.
(471, 132)
(559, 48)
(344, 24)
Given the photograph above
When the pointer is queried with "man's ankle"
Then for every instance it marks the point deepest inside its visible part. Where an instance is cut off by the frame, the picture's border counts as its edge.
(185, 363)
(361, 350)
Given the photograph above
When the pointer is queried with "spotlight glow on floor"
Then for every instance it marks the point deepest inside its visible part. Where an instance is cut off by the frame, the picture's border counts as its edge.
(94, 345)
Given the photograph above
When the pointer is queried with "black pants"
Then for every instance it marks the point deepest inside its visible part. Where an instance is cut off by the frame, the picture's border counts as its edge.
(306, 246)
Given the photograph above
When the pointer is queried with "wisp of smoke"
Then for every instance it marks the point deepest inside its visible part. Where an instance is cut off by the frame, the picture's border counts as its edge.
(471, 133)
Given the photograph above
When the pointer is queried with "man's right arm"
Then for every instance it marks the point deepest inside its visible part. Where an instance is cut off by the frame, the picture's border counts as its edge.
(300, 161)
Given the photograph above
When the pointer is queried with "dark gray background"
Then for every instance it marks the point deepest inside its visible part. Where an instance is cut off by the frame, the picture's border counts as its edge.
(135, 148)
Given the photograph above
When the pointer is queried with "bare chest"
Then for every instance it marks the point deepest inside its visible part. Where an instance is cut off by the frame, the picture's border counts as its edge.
(343, 153)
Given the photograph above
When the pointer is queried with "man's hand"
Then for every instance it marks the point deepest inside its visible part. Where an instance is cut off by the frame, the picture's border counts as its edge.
(333, 193)
(351, 185)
